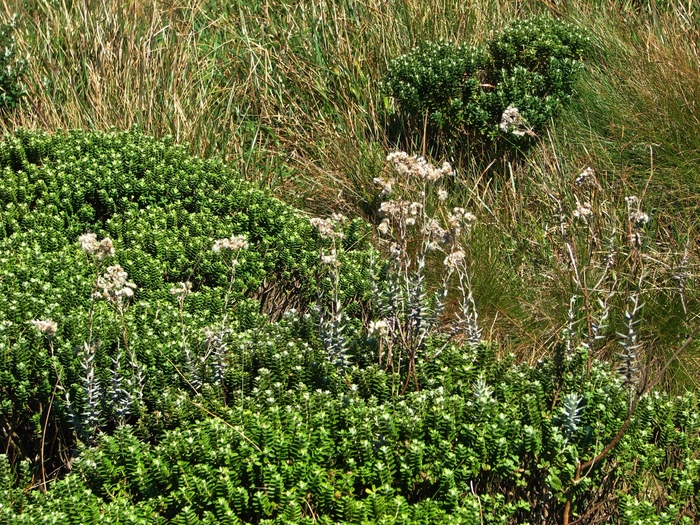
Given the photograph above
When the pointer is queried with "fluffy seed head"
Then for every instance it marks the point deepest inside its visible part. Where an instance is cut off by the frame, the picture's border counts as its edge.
(233, 243)
(113, 286)
(583, 211)
(585, 176)
(101, 250)
(378, 329)
(454, 260)
(46, 327)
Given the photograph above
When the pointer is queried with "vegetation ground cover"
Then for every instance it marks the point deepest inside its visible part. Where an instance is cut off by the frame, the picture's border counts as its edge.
(273, 353)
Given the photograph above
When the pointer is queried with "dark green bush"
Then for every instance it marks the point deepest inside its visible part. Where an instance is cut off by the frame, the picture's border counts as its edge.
(463, 91)
(163, 209)
(437, 79)
(12, 68)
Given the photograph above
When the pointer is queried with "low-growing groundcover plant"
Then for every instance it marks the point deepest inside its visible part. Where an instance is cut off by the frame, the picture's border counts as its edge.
(146, 378)
(118, 282)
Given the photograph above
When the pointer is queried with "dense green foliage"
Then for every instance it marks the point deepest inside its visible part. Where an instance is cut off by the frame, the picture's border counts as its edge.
(130, 413)
(12, 68)
(163, 209)
(530, 65)
(485, 441)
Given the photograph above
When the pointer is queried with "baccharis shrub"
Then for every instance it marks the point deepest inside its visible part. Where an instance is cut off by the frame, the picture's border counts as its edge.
(437, 80)
(463, 91)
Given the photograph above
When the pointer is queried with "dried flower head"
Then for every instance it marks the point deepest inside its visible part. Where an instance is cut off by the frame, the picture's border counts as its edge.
(442, 195)
(384, 227)
(101, 250)
(637, 217)
(586, 176)
(378, 329)
(432, 229)
(113, 286)
(512, 121)
(46, 327)
(458, 217)
(396, 209)
(387, 185)
(326, 228)
(233, 243)
(395, 250)
(411, 165)
(454, 260)
(330, 259)
(583, 211)
(182, 290)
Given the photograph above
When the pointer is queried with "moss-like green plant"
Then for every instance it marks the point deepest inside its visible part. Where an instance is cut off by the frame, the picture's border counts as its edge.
(484, 442)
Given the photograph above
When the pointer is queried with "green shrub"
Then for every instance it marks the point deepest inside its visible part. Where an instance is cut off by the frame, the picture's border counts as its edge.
(12, 68)
(485, 441)
(437, 79)
(163, 394)
(124, 361)
(463, 91)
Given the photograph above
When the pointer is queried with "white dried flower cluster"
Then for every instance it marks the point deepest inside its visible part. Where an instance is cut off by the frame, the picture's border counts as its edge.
(432, 229)
(326, 228)
(512, 121)
(400, 209)
(387, 185)
(215, 337)
(511, 117)
(637, 217)
(384, 227)
(442, 195)
(339, 217)
(395, 250)
(46, 327)
(583, 211)
(233, 243)
(411, 165)
(378, 329)
(585, 177)
(458, 218)
(113, 286)
(454, 260)
(331, 259)
(101, 250)
(182, 290)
